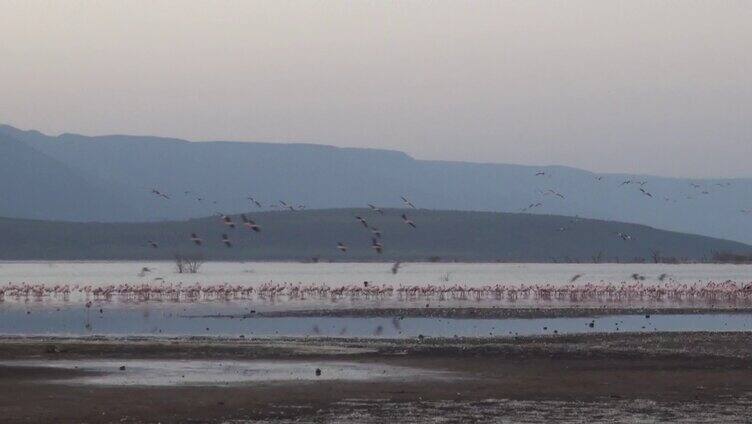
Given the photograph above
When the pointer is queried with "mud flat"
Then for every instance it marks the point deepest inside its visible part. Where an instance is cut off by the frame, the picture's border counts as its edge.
(669, 377)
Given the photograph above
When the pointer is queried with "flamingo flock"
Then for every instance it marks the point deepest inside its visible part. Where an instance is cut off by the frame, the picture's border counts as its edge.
(727, 292)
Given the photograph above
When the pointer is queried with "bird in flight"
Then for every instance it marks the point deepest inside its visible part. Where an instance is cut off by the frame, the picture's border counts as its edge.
(377, 246)
(196, 239)
(286, 206)
(342, 248)
(645, 192)
(254, 201)
(376, 232)
(362, 220)
(375, 209)
(407, 221)
(599, 177)
(227, 221)
(159, 193)
(575, 278)
(554, 192)
(250, 224)
(540, 174)
(226, 240)
(624, 236)
(407, 203)
(153, 244)
(531, 206)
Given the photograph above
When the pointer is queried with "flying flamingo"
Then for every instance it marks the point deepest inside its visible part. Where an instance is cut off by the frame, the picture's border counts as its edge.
(375, 209)
(377, 246)
(160, 194)
(227, 221)
(250, 224)
(407, 221)
(362, 220)
(196, 239)
(407, 203)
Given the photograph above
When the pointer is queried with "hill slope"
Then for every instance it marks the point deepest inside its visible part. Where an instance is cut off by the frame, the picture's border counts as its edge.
(448, 235)
(225, 173)
(34, 185)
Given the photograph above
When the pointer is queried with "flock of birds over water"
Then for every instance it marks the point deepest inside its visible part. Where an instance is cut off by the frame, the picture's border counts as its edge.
(377, 245)
(250, 224)
(709, 293)
(666, 290)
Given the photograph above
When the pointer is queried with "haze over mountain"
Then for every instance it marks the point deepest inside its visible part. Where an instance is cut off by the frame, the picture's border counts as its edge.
(305, 235)
(109, 179)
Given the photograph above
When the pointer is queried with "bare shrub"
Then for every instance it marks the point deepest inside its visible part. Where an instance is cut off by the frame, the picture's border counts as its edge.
(188, 264)
(656, 255)
(598, 257)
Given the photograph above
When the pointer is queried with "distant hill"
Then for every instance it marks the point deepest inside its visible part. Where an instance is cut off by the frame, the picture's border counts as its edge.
(224, 174)
(34, 185)
(305, 235)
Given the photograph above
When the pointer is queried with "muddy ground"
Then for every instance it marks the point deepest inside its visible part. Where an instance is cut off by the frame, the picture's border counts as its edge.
(657, 377)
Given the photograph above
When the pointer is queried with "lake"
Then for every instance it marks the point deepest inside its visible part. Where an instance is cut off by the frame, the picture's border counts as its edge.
(86, 312)
(254, 273)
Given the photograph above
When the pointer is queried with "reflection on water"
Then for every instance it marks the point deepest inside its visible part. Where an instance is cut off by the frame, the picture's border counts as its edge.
(192, 320)
(94, 310)
(225, 372)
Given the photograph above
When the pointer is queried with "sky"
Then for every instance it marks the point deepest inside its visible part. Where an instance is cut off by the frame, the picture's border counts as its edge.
(657, 87)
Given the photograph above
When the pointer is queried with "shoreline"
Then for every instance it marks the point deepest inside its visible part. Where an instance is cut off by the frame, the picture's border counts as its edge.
(625, 344)
(687, 377)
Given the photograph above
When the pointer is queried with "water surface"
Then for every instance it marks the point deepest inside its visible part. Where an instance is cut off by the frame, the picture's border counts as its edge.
(255, 273)
(192, 320)
(132, 372)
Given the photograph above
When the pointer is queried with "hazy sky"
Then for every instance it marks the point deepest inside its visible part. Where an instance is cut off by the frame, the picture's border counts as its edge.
(633, 86)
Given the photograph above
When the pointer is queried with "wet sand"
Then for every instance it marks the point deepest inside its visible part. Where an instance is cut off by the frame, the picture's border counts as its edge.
(691, 377)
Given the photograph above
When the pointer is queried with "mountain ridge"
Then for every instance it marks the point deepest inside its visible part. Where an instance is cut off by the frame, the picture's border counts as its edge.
(224, 174)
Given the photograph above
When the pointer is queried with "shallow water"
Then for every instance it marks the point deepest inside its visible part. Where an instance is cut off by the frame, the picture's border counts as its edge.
(192, 320)
(224, 372)
(48, 316)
